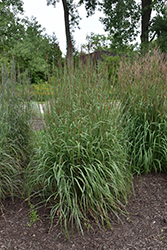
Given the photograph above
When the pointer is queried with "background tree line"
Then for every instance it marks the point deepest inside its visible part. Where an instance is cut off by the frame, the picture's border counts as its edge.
(36, 53)
(122, 20)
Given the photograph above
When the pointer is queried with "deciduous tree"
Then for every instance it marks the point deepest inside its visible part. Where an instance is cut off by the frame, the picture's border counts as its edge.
(71, 18)
(123, 18)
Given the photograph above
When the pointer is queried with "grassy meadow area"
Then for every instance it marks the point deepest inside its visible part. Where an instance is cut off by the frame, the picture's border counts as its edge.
(98, 131)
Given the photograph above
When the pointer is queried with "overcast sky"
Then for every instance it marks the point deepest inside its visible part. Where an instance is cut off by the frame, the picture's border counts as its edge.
(53, 20)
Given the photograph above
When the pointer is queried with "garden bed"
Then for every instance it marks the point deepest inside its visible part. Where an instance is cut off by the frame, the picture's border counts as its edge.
(145, 228)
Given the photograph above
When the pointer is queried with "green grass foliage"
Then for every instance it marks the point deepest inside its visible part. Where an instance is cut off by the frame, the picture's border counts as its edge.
(80, 167)
(143, 86)
(14, 138)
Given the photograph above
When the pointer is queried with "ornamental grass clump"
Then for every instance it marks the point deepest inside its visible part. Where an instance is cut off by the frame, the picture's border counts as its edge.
(143, 86)
(9, 181)
(14, 137)
(80, 168)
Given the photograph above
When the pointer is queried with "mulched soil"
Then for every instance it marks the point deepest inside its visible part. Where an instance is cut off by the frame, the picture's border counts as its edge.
(145, 228)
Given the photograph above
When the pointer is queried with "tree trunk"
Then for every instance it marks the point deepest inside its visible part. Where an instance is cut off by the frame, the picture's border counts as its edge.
(146, 15)
(68, 34)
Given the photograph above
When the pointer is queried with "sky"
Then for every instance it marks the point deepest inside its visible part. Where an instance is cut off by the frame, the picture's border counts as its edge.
(53, 20)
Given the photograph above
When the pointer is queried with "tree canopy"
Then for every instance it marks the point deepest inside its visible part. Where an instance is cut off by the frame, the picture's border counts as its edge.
(24, 39)
(123, 18)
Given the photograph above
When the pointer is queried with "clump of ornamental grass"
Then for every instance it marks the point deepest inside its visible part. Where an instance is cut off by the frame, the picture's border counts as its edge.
(14, 137)
(9, 181)
(143, 87)
(80, 167)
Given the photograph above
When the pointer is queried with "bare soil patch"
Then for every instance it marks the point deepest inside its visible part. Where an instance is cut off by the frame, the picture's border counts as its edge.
(145, 228)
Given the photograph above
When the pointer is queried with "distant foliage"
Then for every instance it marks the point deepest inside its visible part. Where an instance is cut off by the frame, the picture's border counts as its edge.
(35, 53)
(41, 91)
(159, 27)
(97, 42)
